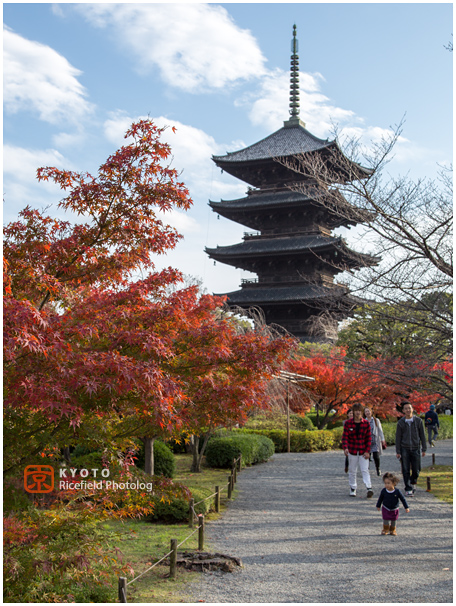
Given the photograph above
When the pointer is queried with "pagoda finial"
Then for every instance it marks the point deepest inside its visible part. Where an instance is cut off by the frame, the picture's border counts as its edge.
(294, 84)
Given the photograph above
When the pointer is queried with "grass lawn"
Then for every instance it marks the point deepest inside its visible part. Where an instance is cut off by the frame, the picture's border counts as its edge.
(143, 543)
(441, 481)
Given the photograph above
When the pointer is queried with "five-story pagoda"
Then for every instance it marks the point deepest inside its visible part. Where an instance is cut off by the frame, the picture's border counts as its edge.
(292, 250)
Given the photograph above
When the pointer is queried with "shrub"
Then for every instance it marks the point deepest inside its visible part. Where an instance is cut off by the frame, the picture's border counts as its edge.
(446, 427)
(337, 434)
(389, 431)
(175, 509)
(164, 461)
(300, 441)
(57, 556)
(221, 450)
(300, 423)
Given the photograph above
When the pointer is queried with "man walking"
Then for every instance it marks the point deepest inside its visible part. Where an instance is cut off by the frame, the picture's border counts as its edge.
(356, 443)
(431, 420)
(409, 435)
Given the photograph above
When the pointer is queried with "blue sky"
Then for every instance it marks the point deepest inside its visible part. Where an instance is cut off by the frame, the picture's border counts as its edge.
(76, 76)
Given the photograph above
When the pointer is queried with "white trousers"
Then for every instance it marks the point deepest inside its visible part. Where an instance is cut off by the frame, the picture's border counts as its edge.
(353, 462)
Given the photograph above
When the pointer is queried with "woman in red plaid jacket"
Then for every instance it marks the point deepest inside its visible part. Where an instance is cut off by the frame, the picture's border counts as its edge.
(356, 443)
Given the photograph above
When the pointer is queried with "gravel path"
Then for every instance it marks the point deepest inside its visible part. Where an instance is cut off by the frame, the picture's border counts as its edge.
(302, 539)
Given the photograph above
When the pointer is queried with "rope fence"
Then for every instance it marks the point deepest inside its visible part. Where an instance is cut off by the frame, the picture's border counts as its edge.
(172, 554)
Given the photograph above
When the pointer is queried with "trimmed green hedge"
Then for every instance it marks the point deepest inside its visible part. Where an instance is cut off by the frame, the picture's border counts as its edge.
(446, 427)
(221, 450)
(300, 441)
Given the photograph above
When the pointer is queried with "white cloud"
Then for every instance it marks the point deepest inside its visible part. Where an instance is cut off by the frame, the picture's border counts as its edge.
(196, 47)
(269, 106)
(20, 185)
(23, 163)
(182, 221)
(38, 77)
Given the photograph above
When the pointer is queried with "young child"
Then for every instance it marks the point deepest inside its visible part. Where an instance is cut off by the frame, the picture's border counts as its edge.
(389, 502)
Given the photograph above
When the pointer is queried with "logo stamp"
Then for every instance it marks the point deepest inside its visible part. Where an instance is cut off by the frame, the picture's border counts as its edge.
(39, 478)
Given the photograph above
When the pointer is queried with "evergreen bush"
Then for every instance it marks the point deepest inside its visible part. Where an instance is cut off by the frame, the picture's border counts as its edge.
(300, 441)
(176, 509)
(221, 450)
(164, 460)
(300, 423)
(446, 427)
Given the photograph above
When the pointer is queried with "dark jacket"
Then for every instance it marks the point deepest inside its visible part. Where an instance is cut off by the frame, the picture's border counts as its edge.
(390, 500)
(410, 437)
(431, 418)
(356, 444)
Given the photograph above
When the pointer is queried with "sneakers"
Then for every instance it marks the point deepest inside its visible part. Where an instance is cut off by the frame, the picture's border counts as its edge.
(409, 493)
(413, 488)
(379, 472)
(370, 493)
(353, 492)
(432, 444)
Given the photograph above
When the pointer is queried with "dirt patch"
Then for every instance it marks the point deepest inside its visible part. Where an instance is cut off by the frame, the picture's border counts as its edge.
(200, 561)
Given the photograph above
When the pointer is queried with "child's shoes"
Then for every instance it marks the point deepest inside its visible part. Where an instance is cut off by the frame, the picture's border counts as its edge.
(386, 528)
(393, 531)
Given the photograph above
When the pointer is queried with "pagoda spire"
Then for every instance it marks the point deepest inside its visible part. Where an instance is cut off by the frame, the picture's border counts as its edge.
(294, 84)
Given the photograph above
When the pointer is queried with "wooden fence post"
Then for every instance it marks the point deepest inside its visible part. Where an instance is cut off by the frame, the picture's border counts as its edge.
(433, 458)
(428, 482)
(229, 487)
(201, 533)
(123, 590)
(234, 471)
(190, 517)
(173, 559)
(217, 499)
(239, 462)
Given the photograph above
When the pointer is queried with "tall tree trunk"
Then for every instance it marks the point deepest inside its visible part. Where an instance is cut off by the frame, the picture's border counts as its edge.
(66, 454)
(149, 455)
(196, 465)
(198, 456)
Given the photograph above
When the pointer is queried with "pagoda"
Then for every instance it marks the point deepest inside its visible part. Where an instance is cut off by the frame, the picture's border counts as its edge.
(292, 250)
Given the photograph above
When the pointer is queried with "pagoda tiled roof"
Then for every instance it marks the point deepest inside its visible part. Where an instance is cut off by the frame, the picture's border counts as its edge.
(287, 141)
(297, 293)
(272, 198)
(258, 200)
(285, 244)
(289, 245)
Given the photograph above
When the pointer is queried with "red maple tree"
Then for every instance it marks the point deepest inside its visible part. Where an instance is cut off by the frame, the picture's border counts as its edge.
(90, 353)
(380, 383)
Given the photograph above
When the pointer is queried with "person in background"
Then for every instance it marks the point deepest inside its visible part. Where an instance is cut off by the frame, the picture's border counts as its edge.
(410, 440)
(349, 416)
(431, 420)
(389, 501)
(378, 439)
(356, 443)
